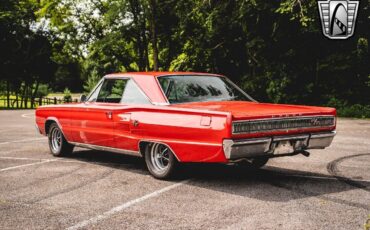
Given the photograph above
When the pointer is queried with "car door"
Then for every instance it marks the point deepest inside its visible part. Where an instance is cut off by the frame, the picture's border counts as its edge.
(95, 119)
(125, 119)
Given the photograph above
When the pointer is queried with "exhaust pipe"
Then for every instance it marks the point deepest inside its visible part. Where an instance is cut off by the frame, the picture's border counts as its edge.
(305, 153)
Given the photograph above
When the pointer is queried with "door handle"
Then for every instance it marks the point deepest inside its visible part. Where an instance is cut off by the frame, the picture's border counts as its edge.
(135, 123)
(108, 114)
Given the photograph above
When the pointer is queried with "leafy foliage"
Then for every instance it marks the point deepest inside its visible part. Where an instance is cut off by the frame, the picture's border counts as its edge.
(67, 96)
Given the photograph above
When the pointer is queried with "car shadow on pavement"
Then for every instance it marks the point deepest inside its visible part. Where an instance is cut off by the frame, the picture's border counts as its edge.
(268, 183)
(110, 159)
(274, 183)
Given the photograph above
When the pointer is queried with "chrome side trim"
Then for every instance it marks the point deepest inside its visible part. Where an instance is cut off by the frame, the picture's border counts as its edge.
(108, 149)
(184, 142)
(160, 103)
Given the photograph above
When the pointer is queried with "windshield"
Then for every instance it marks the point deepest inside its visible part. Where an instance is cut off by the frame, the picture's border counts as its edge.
(182, 89)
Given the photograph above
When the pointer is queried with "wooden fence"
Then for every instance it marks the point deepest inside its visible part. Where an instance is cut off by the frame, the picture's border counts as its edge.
(30, 104)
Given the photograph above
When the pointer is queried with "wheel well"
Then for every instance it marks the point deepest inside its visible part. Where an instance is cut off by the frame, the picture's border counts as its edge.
(47, 126)
(142, 146)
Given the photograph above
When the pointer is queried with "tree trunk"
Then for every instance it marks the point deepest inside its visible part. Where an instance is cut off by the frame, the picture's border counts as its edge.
(34, 94)
(135, 9)
(153, 32)
(7, 94)
(16, 98)
(26, 97)
(23, 96)
(145, 40)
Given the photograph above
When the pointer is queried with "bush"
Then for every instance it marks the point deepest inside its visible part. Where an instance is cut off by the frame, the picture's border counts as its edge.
(67, 95)
(346, 110)
(91, 81)
(43, 90)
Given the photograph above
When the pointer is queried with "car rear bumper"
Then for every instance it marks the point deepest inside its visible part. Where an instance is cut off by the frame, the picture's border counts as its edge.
(276, 145)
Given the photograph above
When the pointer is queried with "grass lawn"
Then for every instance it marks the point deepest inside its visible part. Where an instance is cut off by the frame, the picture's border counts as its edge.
(3, 102)
(60, 95)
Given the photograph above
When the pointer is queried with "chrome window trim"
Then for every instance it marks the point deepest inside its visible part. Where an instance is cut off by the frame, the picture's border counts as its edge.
(141, 91)
(94, 89)
(236, 86)
(160, 87)
(118, 77)
(283, 119)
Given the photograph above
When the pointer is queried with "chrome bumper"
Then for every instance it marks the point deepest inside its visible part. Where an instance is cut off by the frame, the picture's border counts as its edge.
(248, 148)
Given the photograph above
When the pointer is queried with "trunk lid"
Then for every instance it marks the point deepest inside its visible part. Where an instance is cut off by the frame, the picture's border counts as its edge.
(241, 110)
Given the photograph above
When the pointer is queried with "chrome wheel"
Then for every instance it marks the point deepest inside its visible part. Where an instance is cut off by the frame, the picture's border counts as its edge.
(57, 143)
(160, 160)
(160, 157)
(56, 140)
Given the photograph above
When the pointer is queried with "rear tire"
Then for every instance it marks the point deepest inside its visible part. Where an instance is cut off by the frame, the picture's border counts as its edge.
(57, 142)
(160, 160)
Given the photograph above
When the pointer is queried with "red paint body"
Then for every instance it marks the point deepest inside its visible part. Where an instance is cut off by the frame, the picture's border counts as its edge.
(194, 131)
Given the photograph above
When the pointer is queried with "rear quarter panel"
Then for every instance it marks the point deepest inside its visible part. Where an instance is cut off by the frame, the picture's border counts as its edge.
(193, 136)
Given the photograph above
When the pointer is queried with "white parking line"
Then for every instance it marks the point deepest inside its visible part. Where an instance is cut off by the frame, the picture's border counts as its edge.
(27, 115)
(26, 165)
(123, 206)
(23, 158)
(6, 152)
(24, 140)
(7, 130)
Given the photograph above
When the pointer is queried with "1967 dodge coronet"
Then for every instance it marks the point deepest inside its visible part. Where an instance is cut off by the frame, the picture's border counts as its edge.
(174, 117)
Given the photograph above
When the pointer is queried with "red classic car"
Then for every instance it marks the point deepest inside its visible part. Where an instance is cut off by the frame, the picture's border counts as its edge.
(174, 117)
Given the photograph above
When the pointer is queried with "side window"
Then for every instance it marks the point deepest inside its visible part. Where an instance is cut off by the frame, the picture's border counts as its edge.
(94, 94)
(111, 91)
(133, 95)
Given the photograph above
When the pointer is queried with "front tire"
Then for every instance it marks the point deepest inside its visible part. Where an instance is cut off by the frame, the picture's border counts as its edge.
(160, 160)
(57, 142)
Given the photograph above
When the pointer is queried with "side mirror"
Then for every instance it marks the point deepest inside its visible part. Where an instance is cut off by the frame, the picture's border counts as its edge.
(83, 98)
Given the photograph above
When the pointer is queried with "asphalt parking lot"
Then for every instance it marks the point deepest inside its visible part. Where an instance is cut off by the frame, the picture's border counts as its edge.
(101, 190)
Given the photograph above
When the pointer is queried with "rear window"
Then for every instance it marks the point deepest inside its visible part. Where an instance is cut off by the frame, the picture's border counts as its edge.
(182, 89)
